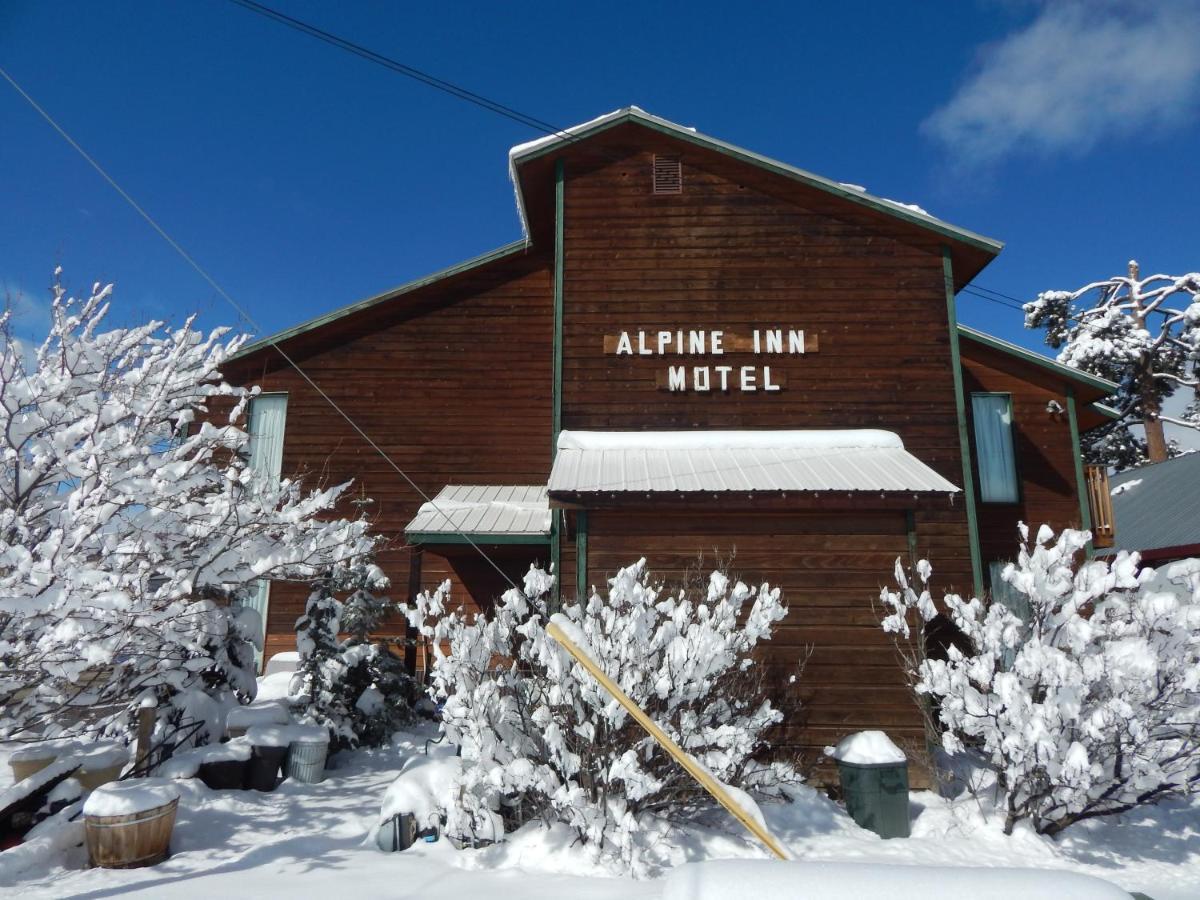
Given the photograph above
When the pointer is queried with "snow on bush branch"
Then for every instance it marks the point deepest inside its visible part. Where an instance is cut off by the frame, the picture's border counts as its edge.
(1090, 705)
(129, 515)
(542, 739)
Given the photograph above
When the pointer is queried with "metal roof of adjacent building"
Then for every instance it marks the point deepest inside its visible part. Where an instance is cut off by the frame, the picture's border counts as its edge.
(1157, 507)
(716, 461)
(487, 513)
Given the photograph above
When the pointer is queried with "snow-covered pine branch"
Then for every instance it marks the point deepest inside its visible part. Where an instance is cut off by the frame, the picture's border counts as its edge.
(129, 517)
(541, 739)
(1089, 704)
(1143, 334)
(356, 688)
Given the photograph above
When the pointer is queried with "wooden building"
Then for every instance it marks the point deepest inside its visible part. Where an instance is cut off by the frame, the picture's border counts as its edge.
(695, 351)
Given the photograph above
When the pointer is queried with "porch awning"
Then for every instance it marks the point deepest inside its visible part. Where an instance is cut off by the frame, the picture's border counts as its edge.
(715, 461)
(487, 513)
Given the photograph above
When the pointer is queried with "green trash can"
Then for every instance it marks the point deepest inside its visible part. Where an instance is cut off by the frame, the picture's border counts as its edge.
(876, 796)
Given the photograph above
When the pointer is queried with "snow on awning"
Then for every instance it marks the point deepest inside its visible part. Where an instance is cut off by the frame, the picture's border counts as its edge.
(487, 513)
(686, 461)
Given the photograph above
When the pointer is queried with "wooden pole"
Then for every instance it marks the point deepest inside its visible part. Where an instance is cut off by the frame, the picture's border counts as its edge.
(147, 714)
(415, 555)
(693, 768)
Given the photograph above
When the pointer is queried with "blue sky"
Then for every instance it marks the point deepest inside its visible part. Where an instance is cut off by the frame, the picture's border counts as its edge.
(304, 178)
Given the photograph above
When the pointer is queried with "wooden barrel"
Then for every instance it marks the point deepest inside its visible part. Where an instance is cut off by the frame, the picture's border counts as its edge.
(24, 767)
(127, 842)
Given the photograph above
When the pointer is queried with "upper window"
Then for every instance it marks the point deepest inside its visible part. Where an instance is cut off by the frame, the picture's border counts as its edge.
(268, 416)
(997, 463)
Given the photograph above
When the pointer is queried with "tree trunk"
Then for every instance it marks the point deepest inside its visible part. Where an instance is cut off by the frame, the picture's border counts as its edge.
(1156, 439)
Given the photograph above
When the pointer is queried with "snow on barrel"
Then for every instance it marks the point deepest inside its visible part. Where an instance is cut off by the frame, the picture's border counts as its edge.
(128, 823)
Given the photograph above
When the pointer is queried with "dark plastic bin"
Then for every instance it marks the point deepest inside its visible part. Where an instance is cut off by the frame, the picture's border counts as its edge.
(877, 796)
(262, 772)
(225, 775)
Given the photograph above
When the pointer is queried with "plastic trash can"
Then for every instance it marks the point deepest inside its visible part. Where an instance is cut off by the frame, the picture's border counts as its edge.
(876, 796)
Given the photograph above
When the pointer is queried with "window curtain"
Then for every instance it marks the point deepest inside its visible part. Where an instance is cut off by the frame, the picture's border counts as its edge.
(992, 414)
(268, 416)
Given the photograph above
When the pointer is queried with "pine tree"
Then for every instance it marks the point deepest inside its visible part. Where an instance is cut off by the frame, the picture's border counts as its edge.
(1143, 334)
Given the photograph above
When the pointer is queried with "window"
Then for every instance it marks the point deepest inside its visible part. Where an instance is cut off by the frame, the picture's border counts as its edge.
(268, 415)
(997, 464)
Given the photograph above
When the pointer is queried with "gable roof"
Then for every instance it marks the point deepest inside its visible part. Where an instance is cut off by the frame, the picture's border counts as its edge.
(516, 248)
(1095, 387)
(523, 154)
(1154, 508)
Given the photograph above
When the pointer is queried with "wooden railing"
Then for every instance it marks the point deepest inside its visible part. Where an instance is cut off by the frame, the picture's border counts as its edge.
(1100, 501)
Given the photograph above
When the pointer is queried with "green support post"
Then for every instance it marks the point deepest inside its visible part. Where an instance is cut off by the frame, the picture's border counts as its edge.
(581, 564)
(1085, 508)
(964, 444)
(556, 388)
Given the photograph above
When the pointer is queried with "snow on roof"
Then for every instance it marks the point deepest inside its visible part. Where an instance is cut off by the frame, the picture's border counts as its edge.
(485, 509)
(810, 439)
(634, 113)
(690, 461)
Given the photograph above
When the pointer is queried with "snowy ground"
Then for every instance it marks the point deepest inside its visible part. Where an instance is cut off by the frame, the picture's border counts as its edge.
(313, 840)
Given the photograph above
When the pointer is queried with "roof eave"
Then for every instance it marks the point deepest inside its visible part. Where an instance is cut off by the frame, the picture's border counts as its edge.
(988, 245)
(1092, 381)
(341, 312)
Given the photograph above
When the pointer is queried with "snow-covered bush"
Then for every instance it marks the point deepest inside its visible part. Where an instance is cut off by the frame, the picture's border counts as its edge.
(542, 739)
(1090, 704)
(130, 517)
(356, 688)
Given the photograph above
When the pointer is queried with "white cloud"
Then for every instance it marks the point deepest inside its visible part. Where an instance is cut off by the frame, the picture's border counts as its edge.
(1079, 73)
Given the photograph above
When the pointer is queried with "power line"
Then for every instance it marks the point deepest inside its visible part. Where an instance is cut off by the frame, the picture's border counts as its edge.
(246, 317)
(401, 68)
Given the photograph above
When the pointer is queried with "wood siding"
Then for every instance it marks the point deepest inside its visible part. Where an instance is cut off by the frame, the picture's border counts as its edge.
(454, 385)
(1042, 444)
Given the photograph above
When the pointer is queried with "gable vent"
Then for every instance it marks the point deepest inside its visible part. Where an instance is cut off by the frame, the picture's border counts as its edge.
(668, 175)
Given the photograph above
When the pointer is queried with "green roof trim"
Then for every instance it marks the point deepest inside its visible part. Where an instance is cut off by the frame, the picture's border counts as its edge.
(1105, 410)
(1092, 381)
(862, 198)
(341, 312)
(447, 537)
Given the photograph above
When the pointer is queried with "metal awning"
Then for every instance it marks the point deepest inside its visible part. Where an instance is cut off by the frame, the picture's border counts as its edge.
(486, 513)
(716, 461)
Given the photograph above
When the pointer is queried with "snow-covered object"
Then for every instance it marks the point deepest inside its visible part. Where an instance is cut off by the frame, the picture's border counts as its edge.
(45, 750)
(541, 737)
(36, 782)
(286, 735)
(244, 717)
(186, 763)
(1088, 704)
(705, 439)
(1125, 486)
(1141, 333)
(124, 798)
(129, 514)
(287, 661)
(424, 789)
(66, 791)
(101, 755)
(771, 880)
(866, 748)
(357, 688)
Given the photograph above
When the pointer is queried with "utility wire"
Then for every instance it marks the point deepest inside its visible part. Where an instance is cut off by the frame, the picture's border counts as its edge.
(246, 317)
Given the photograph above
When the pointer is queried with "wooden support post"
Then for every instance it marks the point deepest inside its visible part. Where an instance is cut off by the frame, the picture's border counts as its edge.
(147, 715)
(414, 588)
(910, 525)
(715, 789)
